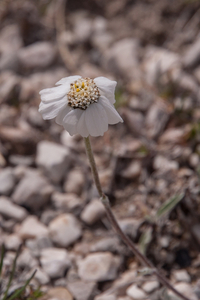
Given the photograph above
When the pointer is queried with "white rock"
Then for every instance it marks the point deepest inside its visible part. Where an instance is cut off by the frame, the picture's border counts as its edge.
(133, 170)
(12, 242)
(7, 181)
(32, 228)
(163, 164)
(38, 55)
(93, 212)
(126, 63)
(74, 182)
(64, 230)
(192, 55)
(150, 286)
(26, 260)
(98, 267)
(66, 201)
(83, 29)
(105, 297)
(54, 261)
(158, 61)
(10, 210)
(54, 159)
(41, 276)
(81, 290)
(33, 191)
(185, 289)
(129, 226)
(175, 135)
(181, 275)
(135, 292)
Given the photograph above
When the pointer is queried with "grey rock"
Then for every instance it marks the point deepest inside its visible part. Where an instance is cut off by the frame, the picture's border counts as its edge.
(34, 117)
(196, 232)
(110, 244)
(54, 159)
(81, 290)
(54, 261)
(175, 135)
(33, 191)
(39, 55)
(93, 212)
(9, 84)
(98, 267)
(156, 119)
(192, 55)
(32, 228)
(7, 181)
(10, 210)
(82, 29)
(12, 242)
(102, 40)
(135, 292)
(150, 286)
(74, 182)
(64, 230)
(37, 244)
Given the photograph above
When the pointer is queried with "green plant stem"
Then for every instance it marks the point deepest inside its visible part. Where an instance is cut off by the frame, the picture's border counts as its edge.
(104, 199)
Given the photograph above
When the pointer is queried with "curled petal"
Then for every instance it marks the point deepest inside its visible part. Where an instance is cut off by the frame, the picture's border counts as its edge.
(106, 87)
(112, 114)
(96, 120)
(52, 109)
(68, 80)
(70, 121)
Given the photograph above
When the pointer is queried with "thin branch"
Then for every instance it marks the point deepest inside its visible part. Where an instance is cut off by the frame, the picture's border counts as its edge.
(104, 199)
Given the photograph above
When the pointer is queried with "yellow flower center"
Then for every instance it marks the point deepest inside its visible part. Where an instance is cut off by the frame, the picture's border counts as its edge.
(82, 93)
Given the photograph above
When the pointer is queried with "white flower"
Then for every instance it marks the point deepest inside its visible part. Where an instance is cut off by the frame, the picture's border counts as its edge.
(81, 105)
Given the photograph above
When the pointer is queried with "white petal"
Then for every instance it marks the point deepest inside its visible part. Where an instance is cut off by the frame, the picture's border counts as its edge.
(112, 114)
(48, 95)
(71, 119)
(51, 110)
(96, 119)
(81, 126)
(106, 87)
(62, 114)
(68, 80)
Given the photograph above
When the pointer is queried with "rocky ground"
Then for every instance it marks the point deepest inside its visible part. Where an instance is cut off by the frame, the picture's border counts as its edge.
(47, 199)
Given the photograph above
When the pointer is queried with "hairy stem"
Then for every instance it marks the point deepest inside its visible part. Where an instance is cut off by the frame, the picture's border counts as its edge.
(104, 199)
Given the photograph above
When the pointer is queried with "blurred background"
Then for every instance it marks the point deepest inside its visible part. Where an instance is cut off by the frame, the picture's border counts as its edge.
(149, 165)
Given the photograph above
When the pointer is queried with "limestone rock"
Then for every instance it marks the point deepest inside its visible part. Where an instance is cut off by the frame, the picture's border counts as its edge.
(39, 55)
(32, 228)
(7, 181)
(64, 230)
(54, 159)
(185, 289)
(181, 275)
(81, 290)
(98, 267)
(93, 212)
(33, 191)
(192, 55)
(10, 210)
(74, 182)
(12, 242)
(150, 286)
(135, 292)
(57, 293)
(54, 261)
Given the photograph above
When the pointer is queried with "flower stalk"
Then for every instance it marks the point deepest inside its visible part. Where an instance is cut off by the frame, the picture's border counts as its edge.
(105, 201)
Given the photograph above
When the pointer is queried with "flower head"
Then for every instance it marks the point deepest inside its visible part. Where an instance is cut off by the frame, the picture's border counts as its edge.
(81, 105)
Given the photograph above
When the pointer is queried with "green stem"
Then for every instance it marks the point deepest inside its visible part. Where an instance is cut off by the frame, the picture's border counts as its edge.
(104, 199)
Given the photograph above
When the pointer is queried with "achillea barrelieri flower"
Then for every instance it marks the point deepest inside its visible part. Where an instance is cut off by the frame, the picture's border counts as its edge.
(81, 105)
